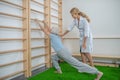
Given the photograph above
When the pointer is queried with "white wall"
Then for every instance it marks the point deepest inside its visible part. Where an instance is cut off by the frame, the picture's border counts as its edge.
(105, 23)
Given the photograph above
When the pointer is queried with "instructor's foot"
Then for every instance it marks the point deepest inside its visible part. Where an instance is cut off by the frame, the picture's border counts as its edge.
(99, 75)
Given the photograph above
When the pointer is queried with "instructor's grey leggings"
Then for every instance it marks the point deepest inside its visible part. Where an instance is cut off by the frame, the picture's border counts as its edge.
(66, 56)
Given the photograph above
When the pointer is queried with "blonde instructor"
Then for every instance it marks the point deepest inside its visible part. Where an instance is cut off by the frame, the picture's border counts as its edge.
(82, 22)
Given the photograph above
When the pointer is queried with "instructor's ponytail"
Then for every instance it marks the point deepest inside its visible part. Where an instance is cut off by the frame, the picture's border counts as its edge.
(84, 15)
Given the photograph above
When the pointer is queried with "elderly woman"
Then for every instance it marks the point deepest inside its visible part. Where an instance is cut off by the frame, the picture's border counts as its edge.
(64, 54)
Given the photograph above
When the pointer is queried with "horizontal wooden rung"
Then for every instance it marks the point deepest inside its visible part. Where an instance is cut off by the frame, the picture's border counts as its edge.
(110, 57)
(98, 38)
(38, 38)
(10, 51)
(34, 20)
(15, 62)
(16, 5)
(41, 55)
(54, 2)
(71, 38)
(12, 15)
(106, 64)
(38, 47)
(12, 27)
(54, 23)
(112, 37)
(7, 39)
(54, 9)
(38, 11)
(98, 56)
(54, 16)
(38, 65)
(35, 29)
(13, 74)
(37, 2)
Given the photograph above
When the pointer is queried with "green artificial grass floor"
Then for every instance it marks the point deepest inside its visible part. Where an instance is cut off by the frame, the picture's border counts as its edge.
(70, 73)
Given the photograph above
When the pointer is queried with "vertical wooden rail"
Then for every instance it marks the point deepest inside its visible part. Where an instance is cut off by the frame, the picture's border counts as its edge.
(26, 43)
(47, 41)
(29, 40)
(60, 15)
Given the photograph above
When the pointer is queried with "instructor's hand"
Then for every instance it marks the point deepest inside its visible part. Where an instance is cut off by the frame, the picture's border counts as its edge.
(84, 46)
(60, 34)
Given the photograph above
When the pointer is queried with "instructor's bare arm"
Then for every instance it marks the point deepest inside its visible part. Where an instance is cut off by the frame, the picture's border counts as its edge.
(64, 33)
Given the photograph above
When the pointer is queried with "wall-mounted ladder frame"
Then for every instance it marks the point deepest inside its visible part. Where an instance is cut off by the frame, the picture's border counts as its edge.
(27, 68)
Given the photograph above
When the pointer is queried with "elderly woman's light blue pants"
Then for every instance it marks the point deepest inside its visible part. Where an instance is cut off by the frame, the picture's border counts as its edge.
(66, 56)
